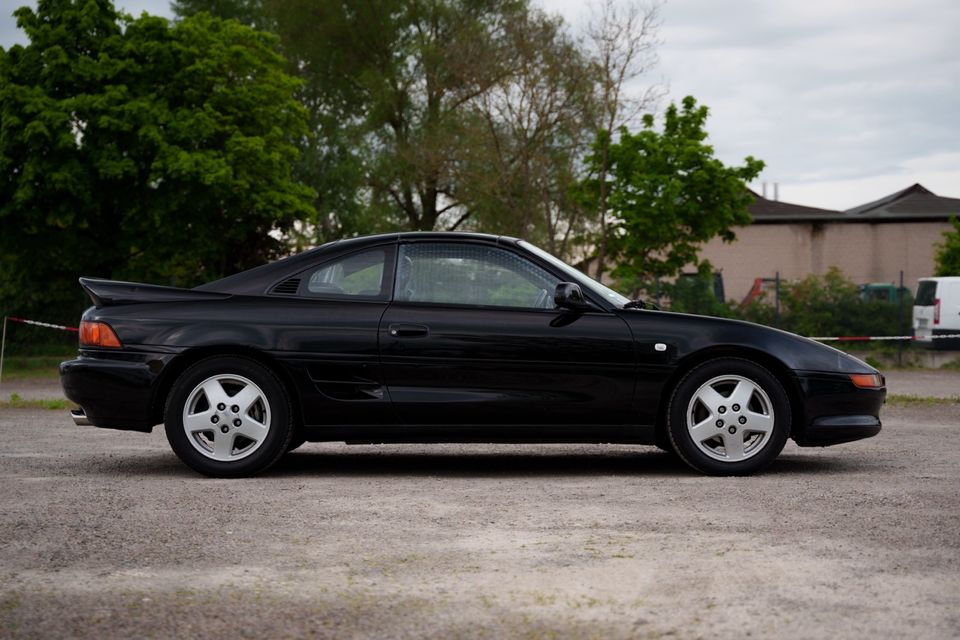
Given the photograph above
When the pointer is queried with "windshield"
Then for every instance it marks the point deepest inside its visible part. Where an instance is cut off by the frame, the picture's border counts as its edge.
(578, 276)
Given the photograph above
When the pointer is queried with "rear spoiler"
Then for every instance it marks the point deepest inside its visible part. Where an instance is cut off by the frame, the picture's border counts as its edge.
(106, 293)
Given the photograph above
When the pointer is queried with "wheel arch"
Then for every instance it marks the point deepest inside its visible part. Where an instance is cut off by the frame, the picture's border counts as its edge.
(776, 366)
(188, 358)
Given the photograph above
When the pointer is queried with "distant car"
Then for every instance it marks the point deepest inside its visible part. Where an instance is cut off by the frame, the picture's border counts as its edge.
(443, 337)
(936, 312)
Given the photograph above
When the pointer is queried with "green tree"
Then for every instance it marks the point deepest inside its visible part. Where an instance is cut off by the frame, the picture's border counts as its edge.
(623, 37)
(668, 194)
(414, 106)
(453, 114)
(332, 152)
(248, 12)
(948, 254)
(399, 78)
(531, 132)
(138, 149)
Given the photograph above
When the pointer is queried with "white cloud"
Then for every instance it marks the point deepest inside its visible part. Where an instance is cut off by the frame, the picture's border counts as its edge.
(938, 172)
(841, 99)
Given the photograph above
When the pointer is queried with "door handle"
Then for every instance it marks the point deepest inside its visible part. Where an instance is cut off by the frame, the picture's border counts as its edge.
(408, 330)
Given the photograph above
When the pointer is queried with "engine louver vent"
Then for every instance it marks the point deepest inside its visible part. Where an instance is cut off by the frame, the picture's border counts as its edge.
(288, 287)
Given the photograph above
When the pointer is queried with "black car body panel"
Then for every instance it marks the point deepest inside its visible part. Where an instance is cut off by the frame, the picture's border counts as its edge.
(374, 369)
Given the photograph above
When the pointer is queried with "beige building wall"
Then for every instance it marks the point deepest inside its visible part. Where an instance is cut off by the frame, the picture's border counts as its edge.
(865, 252)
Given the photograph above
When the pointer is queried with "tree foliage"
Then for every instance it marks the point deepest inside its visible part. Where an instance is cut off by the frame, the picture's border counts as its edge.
(248, 12)
(455, 114)
(530, 135)
(947, 258)
(668, 194)
(623, 38)
(402, 81)
(133, 148)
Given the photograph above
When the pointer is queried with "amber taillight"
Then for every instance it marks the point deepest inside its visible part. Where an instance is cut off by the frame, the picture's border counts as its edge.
(98, 334)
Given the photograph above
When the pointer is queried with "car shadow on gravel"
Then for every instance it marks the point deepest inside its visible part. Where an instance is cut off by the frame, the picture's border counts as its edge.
(631, 463)
(479, 464)
(371, 463)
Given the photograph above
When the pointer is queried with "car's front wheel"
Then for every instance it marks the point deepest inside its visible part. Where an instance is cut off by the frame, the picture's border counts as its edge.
(729, 416)
(228, 417)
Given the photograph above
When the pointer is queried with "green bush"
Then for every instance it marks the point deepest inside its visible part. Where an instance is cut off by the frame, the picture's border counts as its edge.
(696, 293)
(827, 305)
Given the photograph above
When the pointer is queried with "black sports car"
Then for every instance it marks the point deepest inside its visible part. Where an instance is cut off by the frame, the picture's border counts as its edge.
(449, 337)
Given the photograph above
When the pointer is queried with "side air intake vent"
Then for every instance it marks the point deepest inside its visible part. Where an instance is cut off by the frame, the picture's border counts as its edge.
(288, 287)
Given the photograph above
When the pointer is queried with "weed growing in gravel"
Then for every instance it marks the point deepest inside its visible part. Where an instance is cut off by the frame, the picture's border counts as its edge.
(16, 402)
(34, 367)
(898, 400)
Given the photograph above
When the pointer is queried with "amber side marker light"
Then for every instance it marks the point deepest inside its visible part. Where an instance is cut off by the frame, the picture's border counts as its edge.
(867, 380)
(98, 334)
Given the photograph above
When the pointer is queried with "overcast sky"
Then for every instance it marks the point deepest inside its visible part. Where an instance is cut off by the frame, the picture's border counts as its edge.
(845, 100)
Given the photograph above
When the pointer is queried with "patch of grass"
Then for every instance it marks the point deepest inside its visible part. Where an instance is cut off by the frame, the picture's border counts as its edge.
(899, 400)
(48, 404)
(953, 365)
(20, 367)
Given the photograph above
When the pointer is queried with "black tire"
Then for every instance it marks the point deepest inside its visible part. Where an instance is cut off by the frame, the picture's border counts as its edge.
(762, 427)
(296, 442)
(270, 412)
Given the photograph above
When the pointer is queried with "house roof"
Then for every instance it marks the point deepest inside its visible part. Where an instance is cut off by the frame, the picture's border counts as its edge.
(914, 189)
(916, 203)
(763, 209)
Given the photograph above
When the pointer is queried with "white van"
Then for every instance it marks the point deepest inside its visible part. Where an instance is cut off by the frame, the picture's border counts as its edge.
(936, 312)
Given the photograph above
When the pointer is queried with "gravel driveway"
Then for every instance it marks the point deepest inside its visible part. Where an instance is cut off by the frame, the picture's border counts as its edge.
(105, 534)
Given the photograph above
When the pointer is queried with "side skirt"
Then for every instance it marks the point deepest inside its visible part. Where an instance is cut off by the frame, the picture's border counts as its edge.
(512, 434)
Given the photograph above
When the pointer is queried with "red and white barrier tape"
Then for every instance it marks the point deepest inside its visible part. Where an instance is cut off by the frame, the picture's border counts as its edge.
(36, 323)
(42, 324)
(867, 338)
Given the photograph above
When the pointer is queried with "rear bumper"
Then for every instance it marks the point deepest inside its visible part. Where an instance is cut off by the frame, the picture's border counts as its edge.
(835, 411)
(112, 393)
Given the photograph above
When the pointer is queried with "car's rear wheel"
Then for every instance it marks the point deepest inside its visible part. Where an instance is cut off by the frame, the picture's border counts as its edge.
(297, 441)
(228, 417)
(729, 416)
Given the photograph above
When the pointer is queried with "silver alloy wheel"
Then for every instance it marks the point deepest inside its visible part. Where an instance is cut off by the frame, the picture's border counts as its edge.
(226, 417)
(730, 418)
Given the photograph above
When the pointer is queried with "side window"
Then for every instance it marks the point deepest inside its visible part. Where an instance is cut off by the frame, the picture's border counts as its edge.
(358, 274)
(473, 275)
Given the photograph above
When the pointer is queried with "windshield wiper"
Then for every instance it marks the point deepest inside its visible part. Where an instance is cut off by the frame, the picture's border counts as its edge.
(640, 304)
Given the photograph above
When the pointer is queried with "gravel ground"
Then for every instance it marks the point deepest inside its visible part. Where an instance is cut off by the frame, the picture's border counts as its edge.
(924, 382)
(106, 535)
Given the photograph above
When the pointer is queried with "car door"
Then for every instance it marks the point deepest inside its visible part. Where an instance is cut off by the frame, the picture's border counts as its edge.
(327, 320)
(472, 338)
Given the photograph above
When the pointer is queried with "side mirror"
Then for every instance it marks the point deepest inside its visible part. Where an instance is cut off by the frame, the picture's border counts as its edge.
(569, 296)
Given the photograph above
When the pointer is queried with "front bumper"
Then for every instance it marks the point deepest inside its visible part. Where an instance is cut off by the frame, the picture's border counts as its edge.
(113, 393)
(828, 430)
(835, 411)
